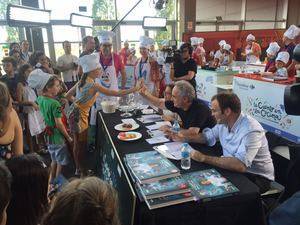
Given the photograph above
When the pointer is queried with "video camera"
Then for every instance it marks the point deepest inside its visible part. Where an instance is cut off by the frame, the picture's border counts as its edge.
(173, 54)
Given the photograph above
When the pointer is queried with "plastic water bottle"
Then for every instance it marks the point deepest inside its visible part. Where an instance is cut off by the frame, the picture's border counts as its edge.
(176, 126)
(186, 158)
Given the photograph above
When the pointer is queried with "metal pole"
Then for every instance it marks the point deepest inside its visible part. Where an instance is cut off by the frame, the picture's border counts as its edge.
(51, 43)
(117, 24)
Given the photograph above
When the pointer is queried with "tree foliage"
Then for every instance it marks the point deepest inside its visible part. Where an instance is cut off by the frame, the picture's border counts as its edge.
(103, 10)
(12, 32)
(168, 12)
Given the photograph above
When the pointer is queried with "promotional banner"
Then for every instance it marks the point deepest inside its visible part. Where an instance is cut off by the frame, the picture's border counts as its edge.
(265, 102)
(207, 81)
(130, 81)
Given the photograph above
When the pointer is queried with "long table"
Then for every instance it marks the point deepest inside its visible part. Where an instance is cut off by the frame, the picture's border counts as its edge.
(241, 209)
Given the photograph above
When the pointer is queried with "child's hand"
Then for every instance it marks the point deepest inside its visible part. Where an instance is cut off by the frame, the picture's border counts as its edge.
(69, 139)
(35, 106)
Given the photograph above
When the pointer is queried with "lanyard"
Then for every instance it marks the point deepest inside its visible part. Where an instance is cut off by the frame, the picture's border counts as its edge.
(105, 66)
(141, 66)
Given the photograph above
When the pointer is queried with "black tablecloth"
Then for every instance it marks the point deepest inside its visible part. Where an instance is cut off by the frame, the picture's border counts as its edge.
(243, 208)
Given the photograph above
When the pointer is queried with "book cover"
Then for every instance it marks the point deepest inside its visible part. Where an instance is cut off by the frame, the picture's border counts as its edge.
(208, 184)
(150, 166)
(166, 187)
(169, 200)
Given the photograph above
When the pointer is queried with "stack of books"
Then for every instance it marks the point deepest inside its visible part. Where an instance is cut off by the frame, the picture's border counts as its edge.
(160, 184)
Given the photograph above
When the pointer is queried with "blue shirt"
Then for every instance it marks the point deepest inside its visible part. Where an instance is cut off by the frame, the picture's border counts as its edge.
(245, 141)
(287, 213)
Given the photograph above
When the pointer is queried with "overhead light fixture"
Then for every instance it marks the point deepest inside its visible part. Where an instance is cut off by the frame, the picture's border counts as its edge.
(18, 15)
(78, 20)
(154, 23)
(159, 5)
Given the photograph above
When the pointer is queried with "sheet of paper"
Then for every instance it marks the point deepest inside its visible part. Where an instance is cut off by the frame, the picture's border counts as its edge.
(150, 118)
(154, 133)
(162, 149)
(174, 148)
(157, 140)
(162, 123)
(157, 125)
(147, 111)
(131, 121)
(171, 150)
(153, 127)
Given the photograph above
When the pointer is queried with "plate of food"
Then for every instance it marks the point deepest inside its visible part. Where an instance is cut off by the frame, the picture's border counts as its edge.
(127, 126)
(129, 136)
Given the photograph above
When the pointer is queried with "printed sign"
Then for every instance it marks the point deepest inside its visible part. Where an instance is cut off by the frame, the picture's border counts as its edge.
(265, 102)
(130, 81)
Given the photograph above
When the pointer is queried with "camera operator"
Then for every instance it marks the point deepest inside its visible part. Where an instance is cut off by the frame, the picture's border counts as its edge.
(184, 68)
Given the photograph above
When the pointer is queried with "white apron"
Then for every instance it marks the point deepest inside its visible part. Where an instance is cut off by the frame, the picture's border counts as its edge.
(109, 80)
(35, 119)
(142, 71)
(250, 58)
(167, 69)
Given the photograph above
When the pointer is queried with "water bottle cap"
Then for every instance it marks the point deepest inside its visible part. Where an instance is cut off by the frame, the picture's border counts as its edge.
(185, 144)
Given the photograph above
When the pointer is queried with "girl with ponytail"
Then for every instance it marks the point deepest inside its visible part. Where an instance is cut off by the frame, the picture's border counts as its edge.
(84, 94)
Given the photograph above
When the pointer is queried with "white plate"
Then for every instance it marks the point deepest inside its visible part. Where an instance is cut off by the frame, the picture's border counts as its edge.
(138, 136)
(120, 128)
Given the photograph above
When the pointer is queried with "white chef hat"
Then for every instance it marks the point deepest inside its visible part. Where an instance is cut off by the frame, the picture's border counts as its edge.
(227, 47)
(89, 62)
(200, 40)
(292, 32)
(283, 56)
(194, 40)
(165, 43)
(145, 42)
(38, 79)
(105, 37)
(160, 60)
(250, 37)
(222, 42)
(273, 48)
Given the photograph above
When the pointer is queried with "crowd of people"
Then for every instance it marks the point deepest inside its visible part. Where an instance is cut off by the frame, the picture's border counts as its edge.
(53, 105)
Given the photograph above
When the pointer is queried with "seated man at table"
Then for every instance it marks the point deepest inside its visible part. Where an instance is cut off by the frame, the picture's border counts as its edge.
(244, 144)
(195, 115)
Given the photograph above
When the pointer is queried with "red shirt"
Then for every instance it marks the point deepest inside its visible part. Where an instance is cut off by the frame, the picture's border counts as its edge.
(270, 66)
(117, 62)
(124, 55)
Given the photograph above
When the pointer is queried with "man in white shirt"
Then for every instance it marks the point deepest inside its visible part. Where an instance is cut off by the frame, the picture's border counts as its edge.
(67, 64)
(25, 54)
(244, 144)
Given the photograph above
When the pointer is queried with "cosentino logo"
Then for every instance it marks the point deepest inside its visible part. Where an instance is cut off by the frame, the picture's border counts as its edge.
(244, 86)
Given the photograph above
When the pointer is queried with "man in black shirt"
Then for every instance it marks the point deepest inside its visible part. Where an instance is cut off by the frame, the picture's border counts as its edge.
(185, 68)
(195, 115)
